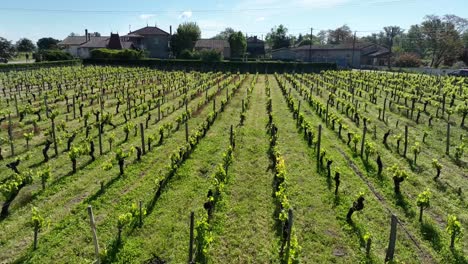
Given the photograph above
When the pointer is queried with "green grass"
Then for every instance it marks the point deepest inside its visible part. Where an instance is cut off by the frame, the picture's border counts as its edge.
(244, 227)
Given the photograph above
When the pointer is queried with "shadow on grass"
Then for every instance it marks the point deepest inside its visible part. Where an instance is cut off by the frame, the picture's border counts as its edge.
(402, 202)
(63, 178)
(430, 233)
(336, 201)
(112, 251)
(358, 231)
(440, 185)
(102, 191)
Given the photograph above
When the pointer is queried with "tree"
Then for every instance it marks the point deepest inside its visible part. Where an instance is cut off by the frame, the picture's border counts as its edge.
(187, 34)
(340, 35)
(225, 34)
(6, 48)
(414, 42)
(442, 38)
(25, 45)
(238, 44)
(322, 37)
(47, 43)
(278, 38)
(390, 33)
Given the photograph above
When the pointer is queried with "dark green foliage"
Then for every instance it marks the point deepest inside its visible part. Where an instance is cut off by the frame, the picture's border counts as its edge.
(52, 55)
(125, 54)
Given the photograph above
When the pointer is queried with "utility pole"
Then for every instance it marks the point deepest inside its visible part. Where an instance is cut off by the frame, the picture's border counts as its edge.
(310, 45)
(354, 45)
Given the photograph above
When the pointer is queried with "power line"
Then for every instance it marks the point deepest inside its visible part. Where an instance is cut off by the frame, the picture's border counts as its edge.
(48, 10)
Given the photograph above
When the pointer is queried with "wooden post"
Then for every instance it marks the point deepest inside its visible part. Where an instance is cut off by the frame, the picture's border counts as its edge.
(231, 137)
(298, 111)
(368, 246)
(100, 138)
(46, 105)
(392, 242)
(364, 130)
(384, 107)
(447, 146)
(141, 211)
(36, 231)
(326, 113)
(74, 108)
(318, 146)
(290, 223)
(55, 137)
(142, 135)
(10, 135)
(16, 106)
(159, 111)
(95, 238)
(186, 131)
(214, 105)
(406, 141)
(190, 260)
(243, 106)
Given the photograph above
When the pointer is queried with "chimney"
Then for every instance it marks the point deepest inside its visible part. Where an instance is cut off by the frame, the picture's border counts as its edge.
(170, 30)
(86, 34)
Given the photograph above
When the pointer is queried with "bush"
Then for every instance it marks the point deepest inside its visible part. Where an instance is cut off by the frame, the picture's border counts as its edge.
(125, 54)
(210, 55)
(52, 55)
(225, 66)
(189, 55)
(408, 60)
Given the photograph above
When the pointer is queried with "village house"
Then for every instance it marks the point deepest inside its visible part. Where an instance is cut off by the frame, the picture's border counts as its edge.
(255, 47)
(344, 55)
(153, 40)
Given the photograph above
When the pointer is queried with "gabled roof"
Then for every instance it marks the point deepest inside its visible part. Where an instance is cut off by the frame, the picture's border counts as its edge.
(73, 41)
(254, 39)
(149, 31)
(212, 44)
(96, 42)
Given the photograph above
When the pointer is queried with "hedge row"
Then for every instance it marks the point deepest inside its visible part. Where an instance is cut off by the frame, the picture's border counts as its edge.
(35, 65)
(232, 66)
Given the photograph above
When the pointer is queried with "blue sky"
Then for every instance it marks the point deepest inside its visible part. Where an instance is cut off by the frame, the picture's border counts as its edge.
(35, 19)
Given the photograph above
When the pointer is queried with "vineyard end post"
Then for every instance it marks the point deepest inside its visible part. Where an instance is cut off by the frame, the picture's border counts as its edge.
(392, 241)
(95, 238)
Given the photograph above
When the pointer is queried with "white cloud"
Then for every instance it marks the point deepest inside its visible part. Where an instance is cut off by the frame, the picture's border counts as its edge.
(146, 16)
(186, 14)
(258, 19)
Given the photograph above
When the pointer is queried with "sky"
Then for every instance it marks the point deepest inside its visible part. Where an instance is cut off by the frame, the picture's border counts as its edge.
(35, 19)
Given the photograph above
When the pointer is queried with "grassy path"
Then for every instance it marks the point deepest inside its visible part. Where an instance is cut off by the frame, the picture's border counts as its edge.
(244, 227)
(374, 218)
(165, 232)
(319, 234)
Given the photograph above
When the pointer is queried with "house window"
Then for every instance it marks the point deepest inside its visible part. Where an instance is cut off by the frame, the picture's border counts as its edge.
(156, 41)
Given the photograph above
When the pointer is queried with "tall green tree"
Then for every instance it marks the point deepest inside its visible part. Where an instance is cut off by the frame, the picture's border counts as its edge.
(442, 39)
(187, 34)
(414, 42)
(278, 37)
(7, 49)
(238, 44)
(340, 35)
(25, 45)
(224, 34)
(47, 43)
(390, 33)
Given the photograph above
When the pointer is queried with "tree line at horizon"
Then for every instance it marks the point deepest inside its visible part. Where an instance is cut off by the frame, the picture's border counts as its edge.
(437, 41)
